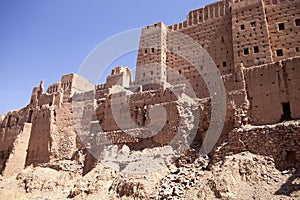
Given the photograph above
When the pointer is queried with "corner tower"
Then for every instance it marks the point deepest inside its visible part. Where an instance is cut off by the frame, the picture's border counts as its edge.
(151, 61)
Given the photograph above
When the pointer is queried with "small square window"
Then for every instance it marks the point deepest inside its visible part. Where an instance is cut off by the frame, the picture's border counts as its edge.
(145, 51)
(152, 50)
(297, 22)
(242, 27)
(246, 51)
(279, 52)
(256, 49)
(224, 64)
(151, 72)
(297, 49)
(253, 24)
(281, 26)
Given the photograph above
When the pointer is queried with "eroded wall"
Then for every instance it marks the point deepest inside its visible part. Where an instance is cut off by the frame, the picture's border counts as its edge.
(271, 86)
(277, 141)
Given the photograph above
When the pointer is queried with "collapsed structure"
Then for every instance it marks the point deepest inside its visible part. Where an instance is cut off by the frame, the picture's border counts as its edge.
(253, 43)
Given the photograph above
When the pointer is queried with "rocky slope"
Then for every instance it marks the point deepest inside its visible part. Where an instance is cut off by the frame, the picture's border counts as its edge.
(240, 176)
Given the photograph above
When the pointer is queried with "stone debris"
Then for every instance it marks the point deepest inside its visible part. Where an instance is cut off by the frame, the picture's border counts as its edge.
(181, 178)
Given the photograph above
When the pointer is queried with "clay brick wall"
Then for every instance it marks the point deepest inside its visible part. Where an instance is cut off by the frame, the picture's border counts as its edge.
(139, 105)
(152, 50)
(63, 136)
(271, 85)
(250, 33)
(213, 32)
(277, 141)
(119, 76)
(10, 128)
(292, 81)
(205, 26)
(55, 87)
(71, 83)
(39, 143)
(284, 33)
(17, 158)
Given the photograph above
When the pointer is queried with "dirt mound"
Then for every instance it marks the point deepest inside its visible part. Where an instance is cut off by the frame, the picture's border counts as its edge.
(245, 176)
(240, 176)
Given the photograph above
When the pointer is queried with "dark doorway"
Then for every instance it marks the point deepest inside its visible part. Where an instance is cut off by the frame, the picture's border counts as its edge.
(286, 108)
(29, 116)
(291, 157)
(8, 121)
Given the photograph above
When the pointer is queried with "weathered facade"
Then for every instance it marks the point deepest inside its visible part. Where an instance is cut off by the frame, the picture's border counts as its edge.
(254, 45)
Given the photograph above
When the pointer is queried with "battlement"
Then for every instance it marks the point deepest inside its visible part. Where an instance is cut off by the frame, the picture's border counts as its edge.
(211, 11)
(244, 2)
(276, 2)
(119, 76)
(53, 88)
(119, 70)
(156, 25)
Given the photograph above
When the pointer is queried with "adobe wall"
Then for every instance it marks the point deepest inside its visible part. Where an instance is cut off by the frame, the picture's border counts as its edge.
(271, 85)
(278, 141)
(119, 76)
(139, 105)
(10, 128)
(39, 143)
(63, 136)
(52, 134)
(236, 33)
(284, 33)
(211, 28)
(151, 59)
(251, 44)
(17, 158)
(138, 109)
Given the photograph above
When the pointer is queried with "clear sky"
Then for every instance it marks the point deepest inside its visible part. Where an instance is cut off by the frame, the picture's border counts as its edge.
(46, 39)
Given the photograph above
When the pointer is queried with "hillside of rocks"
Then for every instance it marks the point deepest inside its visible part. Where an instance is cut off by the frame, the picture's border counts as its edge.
(240, 176)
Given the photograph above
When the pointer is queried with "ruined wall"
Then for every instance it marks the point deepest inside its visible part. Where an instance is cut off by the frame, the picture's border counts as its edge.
(158, 129)
(72, 83)
(119, 76)
(292, 80)
(17, 158)
(63, 136)
(51, 134)
(136, 104)
(55, 87)
(273, 91)
(39, 143)
(278, 141)
(10, 128)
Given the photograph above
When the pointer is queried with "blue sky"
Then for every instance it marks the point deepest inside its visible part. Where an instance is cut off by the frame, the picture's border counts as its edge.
(46, 39)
